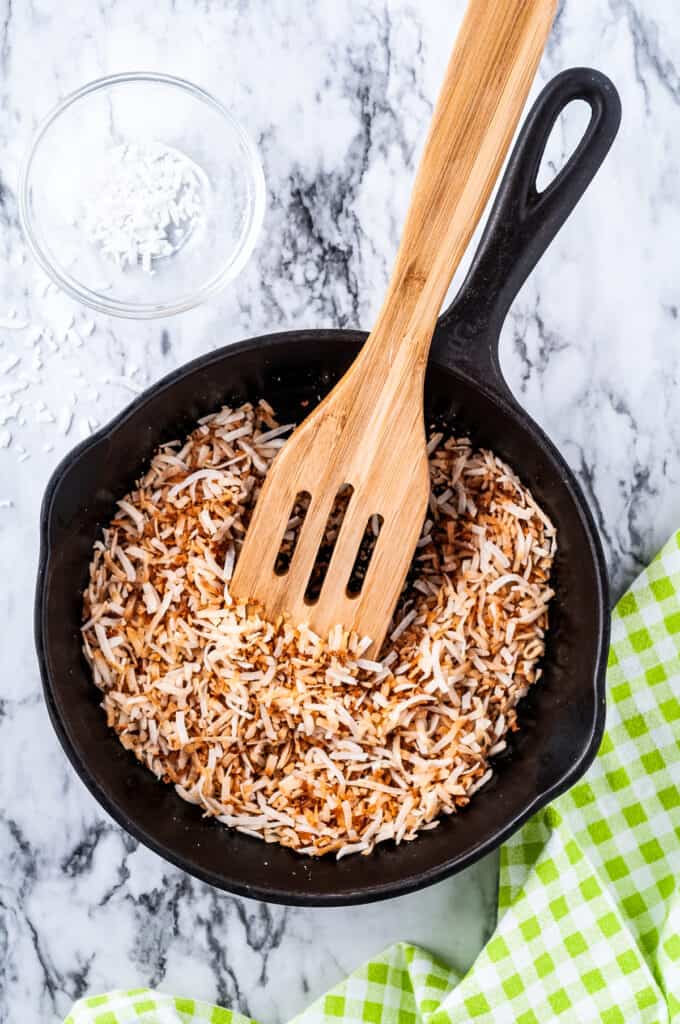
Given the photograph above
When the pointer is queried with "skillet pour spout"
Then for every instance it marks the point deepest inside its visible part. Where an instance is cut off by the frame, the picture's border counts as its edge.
(562, 718)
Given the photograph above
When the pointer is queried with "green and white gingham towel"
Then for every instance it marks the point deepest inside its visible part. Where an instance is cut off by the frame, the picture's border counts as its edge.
(589, 911)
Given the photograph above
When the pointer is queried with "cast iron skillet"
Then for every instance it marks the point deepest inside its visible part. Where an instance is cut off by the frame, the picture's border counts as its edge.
(561, 721)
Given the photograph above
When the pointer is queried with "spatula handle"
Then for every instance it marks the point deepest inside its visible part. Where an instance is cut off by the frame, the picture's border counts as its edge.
(486, 85)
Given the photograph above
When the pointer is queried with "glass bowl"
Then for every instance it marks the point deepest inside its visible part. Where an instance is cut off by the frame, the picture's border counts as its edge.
(63, 173)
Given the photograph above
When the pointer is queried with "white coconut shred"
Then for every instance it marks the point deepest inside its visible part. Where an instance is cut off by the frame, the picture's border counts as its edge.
(148, 200)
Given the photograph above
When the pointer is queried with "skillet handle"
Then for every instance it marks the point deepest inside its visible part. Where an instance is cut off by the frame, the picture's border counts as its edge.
(524, 221)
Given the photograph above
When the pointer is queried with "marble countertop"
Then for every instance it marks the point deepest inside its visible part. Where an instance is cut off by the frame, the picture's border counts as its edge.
(338, 98)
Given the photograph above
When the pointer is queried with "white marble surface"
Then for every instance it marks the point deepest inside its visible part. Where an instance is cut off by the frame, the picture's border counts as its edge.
(337, 97)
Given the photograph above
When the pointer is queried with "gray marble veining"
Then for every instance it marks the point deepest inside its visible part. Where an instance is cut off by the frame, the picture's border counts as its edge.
(338, 97)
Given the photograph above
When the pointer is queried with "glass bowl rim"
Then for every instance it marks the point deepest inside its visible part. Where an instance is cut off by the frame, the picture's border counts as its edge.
(145, 310)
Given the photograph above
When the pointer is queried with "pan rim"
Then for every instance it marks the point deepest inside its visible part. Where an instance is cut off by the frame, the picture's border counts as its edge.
(309, 897)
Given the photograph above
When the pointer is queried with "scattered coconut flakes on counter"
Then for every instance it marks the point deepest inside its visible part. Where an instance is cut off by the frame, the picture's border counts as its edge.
(12, 323)
(285, 735)
(55, 342)
(16, 378)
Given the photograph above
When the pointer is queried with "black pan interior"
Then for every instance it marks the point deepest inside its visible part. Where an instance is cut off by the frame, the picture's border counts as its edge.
(561, 719)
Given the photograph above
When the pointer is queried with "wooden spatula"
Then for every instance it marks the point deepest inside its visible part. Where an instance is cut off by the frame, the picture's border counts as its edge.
(369, 432)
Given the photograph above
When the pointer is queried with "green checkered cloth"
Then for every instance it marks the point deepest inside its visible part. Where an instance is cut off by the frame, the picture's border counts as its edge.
(589, 912)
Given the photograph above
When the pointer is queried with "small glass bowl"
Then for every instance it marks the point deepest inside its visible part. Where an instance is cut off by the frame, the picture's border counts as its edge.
(68, 153)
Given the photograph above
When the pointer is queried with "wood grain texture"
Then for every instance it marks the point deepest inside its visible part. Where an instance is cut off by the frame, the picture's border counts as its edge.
(369, 431)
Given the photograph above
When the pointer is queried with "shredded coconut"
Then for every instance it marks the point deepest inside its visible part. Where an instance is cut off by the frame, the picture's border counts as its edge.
(148, 202)
(282, 734)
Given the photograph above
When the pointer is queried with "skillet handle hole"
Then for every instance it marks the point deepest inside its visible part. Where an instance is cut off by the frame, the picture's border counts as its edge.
(566, 133)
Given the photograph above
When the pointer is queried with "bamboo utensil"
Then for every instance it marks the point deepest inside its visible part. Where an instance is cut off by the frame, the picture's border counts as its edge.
(368, 435)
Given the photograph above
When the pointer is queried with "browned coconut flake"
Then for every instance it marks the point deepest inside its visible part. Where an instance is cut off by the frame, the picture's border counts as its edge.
(287, 736)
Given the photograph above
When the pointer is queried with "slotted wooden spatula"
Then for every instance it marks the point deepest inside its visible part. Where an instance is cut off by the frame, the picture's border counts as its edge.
(369, 432)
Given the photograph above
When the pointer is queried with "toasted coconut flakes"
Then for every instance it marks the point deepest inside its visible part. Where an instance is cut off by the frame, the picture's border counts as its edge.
(369, 666)
(102, 642)
(128, 567)
(162, 609)
(200, 474)
(229, 560)
(434, 443)
(403, 625)
(352, 848)
(480, 782)
(181, 728)
(135, 515)
(269, 435)
(152, 601)
(288, 736)
(231, 435)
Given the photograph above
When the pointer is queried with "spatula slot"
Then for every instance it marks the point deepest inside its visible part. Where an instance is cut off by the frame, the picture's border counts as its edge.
(328, 541)
(292, 534)
(364, 555)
